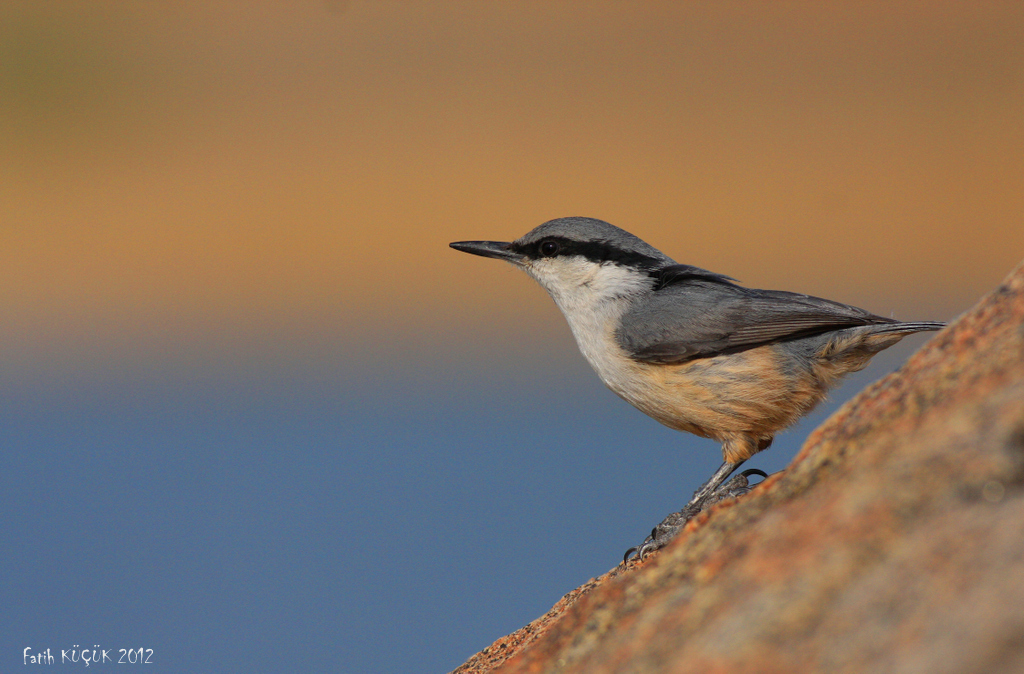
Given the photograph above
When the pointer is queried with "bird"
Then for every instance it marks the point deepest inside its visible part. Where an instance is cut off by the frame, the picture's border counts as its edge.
(694, 349)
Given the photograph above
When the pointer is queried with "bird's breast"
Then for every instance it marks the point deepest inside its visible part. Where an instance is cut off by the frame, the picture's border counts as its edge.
(594, 329)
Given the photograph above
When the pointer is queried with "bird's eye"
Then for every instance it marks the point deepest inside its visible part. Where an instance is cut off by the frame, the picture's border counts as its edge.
(549, 248)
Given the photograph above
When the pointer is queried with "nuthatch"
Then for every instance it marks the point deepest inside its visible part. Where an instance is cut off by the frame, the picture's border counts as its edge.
(690, 347)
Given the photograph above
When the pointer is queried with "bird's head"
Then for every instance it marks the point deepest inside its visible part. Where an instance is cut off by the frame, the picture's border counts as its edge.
(578, 260)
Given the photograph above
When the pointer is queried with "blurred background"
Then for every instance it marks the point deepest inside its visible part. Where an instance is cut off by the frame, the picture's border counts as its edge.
(257, 416)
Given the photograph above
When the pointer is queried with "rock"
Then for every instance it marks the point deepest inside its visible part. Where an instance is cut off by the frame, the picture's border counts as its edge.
(893, 543)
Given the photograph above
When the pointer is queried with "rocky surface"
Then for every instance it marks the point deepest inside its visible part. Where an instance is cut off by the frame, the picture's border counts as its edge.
(893, 543)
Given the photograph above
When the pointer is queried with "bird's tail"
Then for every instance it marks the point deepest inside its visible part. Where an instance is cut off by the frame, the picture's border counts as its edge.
(906, 328)
(850, 350)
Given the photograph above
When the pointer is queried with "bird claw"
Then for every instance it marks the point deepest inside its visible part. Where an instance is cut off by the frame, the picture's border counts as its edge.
(670, 526)
(736, 486)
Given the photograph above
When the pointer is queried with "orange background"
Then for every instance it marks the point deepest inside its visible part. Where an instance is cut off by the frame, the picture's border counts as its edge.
(194, 181)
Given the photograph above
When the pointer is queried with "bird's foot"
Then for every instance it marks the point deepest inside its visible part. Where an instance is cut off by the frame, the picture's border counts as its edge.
(737, 486)
(670, 526)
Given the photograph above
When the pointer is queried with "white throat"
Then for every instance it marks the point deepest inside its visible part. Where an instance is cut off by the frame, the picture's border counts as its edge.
(593, 297)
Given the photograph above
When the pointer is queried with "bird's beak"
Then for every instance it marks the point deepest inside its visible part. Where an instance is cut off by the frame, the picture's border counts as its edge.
(496, 249)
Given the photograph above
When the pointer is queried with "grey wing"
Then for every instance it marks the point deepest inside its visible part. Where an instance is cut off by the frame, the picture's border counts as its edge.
(703, 317)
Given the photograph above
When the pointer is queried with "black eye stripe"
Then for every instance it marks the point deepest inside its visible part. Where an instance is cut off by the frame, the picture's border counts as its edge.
(595, 251)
